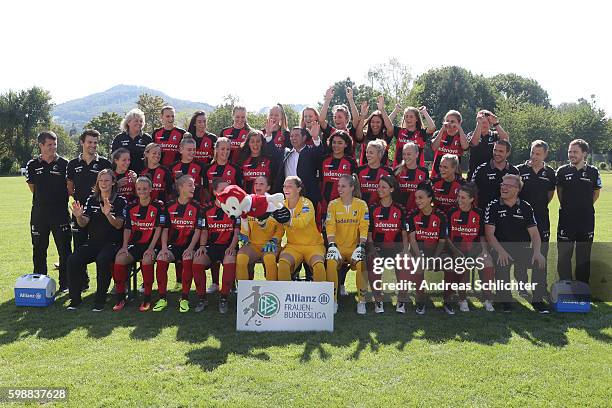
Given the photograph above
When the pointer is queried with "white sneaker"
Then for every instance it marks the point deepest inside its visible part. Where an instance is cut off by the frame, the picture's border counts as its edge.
(342, 291)
(489, 306)
(361, 308)
(141, 288)
(463, 306)
(400, 307)
(213, 288)
(335, 307)
(379, 307)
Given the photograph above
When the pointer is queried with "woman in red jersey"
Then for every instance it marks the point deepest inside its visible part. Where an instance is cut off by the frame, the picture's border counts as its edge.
(126, 178)
(237, 132)
(205, 141)
(409, 175)
(449, 140)
(412, 130)
(141, 234)
(159, 175)
(427, 235)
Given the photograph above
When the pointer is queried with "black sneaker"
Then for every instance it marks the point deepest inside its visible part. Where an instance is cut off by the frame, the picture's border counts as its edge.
(540, 307)
(97, 308)
(61, 291)
(506, 307)
(73, 305)
(448, 308)
(201, 305)
(420, 308)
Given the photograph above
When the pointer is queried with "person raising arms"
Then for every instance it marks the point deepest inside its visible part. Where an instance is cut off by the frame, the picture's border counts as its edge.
(341, 117)
(376, 126)
(278, 127)
(449, 140)
(412, 130)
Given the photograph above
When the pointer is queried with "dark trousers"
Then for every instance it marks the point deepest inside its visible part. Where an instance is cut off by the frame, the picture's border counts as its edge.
(79, 237)
(540, 275)
(103, 254)
(520, 259)
(56, 221)
(579, 235)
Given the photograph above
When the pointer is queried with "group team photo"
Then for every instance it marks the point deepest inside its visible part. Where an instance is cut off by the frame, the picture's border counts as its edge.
(353, 189)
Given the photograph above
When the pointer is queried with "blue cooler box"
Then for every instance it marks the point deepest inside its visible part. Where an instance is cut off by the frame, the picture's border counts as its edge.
(571, 296)
(34, 290)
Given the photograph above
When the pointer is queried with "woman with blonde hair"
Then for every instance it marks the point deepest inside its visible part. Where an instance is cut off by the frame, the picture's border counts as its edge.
(133, 138)
(304, 241)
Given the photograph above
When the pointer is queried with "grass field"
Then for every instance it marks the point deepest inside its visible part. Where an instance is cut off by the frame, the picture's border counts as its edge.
(167, 359)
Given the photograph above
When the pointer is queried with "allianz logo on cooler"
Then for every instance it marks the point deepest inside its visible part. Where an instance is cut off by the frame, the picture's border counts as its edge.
(284, 306)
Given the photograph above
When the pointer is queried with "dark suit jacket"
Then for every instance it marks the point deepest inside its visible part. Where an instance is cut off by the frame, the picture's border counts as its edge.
(308, 166)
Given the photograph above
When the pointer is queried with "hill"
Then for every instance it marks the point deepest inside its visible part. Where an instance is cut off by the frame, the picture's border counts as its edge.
(119, 99)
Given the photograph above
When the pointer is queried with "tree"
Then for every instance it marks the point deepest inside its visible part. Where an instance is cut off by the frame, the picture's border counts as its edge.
(151, 106)
(67, 146)
(520, 88)
(443, 89)
(392, 79)
(108, 124)
(21, 115)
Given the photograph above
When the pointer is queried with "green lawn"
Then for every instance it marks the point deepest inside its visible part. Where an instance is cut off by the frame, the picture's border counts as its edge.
(167, 359)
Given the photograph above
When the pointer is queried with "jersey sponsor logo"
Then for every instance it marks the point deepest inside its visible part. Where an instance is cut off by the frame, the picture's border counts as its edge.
(142, 224)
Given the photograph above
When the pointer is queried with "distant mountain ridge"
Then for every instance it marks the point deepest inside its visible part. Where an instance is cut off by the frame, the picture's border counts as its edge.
(119, 99)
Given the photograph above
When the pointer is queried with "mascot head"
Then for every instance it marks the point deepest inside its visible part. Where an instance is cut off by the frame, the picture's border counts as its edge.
(234, 201)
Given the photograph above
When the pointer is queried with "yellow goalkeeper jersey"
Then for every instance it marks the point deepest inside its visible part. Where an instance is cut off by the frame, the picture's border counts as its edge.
(302, 228)
(261, 232)
(347, 223)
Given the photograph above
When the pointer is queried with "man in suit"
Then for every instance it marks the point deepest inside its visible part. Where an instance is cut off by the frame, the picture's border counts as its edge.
(303, 161)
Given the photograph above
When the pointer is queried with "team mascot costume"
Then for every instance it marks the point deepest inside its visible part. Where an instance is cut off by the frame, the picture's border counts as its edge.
(235, 202)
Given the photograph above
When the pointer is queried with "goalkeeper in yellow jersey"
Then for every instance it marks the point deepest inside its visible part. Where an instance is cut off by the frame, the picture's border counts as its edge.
(347, 225)
(304, 241)
(260, 240)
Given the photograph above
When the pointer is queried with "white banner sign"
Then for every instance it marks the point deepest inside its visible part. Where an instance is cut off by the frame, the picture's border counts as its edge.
(285, 306)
